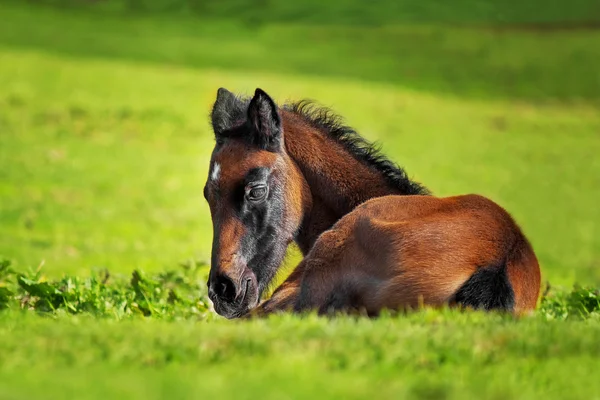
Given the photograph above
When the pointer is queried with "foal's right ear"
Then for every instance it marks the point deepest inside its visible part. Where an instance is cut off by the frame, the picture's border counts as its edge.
(226, 112)
(265, 121)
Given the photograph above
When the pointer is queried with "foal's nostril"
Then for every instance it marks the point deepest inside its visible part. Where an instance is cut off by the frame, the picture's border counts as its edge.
(224, 288)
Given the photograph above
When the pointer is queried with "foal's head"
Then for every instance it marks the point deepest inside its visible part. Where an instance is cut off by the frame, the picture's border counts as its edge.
(256, 196)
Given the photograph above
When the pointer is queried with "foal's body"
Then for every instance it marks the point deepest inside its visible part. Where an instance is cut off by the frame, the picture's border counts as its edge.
(372, 237)
(400, 252)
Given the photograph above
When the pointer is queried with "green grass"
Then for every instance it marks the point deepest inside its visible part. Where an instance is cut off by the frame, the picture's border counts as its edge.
(354, 12)
(150, 337)
(479, 62)
(104, 149)
(154, 337)
(424, 355)
(181, 293)
(110, 175)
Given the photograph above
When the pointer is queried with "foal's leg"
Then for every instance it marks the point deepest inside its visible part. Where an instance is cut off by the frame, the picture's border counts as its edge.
(328, 288)
(285, 296)
(334, 278)
(338, 275)
(312, 282)
(310, 288)
(328, 279)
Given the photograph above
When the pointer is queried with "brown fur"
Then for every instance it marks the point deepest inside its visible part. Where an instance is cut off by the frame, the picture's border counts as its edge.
(366, 245)
(325, 165)
(404, 251)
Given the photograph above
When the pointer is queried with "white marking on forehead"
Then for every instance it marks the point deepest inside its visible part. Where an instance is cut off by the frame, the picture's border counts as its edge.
(216, 172)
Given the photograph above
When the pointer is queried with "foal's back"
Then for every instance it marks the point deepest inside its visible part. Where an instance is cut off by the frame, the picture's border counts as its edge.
(404, 251)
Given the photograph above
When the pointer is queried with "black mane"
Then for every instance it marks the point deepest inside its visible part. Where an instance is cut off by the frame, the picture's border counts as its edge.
(324, 119)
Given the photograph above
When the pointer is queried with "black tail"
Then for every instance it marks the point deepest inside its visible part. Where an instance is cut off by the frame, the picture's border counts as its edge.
(487, 289)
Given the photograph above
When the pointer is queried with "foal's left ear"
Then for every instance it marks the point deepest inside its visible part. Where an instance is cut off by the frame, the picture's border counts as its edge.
(265, 121)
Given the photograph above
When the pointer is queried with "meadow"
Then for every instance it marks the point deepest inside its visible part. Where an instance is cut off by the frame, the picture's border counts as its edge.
(104, 150)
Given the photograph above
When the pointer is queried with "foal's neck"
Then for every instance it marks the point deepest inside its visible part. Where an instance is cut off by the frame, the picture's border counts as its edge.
(338, 180)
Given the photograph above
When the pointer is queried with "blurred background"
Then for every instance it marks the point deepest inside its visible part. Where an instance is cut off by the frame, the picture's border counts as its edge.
(105, 140)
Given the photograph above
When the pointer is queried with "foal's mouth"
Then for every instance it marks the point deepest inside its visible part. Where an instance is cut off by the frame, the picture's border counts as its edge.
(243, 303)
(244, 293)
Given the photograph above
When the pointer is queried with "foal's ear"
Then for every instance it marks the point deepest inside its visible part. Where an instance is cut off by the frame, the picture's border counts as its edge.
(226, 112)
(265, 121)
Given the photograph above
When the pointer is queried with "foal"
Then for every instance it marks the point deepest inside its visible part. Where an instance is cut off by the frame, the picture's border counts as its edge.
(372, 238)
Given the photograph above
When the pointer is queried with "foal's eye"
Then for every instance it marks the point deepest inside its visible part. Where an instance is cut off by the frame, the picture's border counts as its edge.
(256, 193)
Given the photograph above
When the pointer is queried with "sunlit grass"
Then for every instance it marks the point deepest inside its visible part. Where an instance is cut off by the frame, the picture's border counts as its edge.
(427, 354)
(104, 175)
(104, 148)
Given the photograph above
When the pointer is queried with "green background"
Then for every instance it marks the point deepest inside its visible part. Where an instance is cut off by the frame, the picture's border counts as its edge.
(104, 149)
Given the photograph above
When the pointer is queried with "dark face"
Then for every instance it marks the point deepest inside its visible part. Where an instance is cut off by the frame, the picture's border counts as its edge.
(255, 211)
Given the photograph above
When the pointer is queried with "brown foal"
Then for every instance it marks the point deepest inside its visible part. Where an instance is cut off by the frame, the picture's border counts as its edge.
(372, 238)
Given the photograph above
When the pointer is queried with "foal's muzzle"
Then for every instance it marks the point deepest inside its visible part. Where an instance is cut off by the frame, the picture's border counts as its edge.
(233, 297)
